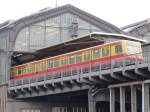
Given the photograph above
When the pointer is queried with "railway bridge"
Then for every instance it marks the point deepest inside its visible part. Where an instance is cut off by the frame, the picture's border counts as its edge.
(118, 85)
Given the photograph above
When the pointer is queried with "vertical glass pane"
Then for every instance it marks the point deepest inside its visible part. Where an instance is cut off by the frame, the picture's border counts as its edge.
(22, 41)
(84, 27)
(95, 29)
(52, 31)
(37, 36)
(52, 36)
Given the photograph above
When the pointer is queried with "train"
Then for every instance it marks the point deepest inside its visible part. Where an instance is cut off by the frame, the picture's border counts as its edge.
(114, 53)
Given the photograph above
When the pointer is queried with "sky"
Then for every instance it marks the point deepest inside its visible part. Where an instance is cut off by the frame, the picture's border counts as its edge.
(117, 12)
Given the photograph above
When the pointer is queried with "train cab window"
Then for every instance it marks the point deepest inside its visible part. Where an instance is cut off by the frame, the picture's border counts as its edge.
(71, 59)
(78, 58)
(96, 53)
(118, 49)
(56, 63)
(105, 51)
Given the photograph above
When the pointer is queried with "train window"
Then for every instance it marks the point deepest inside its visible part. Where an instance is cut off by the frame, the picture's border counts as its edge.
(42, 65)
(78, 58)
(105, 51)
(96, 53)
(19, 71)
(50, 63)
(71, 59)
(38, 67)
(64, 61)
(13, 72)
(32, 68)
(87, 55)
(118, 49)
(24, 70)
(56, 63)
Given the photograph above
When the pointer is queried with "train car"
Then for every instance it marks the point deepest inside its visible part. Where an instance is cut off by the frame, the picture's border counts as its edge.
(104, 56)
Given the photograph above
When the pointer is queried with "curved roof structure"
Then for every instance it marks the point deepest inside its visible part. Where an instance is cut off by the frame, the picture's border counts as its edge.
(43, 14)
(139, 29)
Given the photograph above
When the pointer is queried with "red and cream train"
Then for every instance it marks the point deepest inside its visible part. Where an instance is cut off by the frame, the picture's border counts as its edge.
(113, 53)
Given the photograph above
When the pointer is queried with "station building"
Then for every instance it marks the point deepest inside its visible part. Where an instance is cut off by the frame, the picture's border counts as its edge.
(50, 32)
(139, 29)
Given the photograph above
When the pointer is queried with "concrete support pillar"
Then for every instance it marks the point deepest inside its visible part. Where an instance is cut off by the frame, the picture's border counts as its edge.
(92, 103)
(122, 99)
(112, 100)
(133, 99)
(145, 97)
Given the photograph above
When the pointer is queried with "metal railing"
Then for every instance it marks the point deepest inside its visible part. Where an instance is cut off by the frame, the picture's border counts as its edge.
(89, 67)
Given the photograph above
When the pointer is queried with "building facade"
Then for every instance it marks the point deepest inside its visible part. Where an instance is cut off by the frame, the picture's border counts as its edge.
(139, 29)
(37, 31)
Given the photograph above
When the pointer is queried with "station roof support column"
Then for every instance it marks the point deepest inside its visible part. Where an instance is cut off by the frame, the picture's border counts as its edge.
(112, 99)
(122, 99)
(145, 97)
(133, 99)
(91, 102)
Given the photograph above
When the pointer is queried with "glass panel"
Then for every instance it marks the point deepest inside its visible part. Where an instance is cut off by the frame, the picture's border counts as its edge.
(50, 63)
(64, 61)
(96, 53)
(118, 49)
(22, 41)
(78, 58)
(105, 51)
(53, 31)
(52, 36)
(71, 59)
(96, 29)
(56, 63)
(37, 38)
(87, 55)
